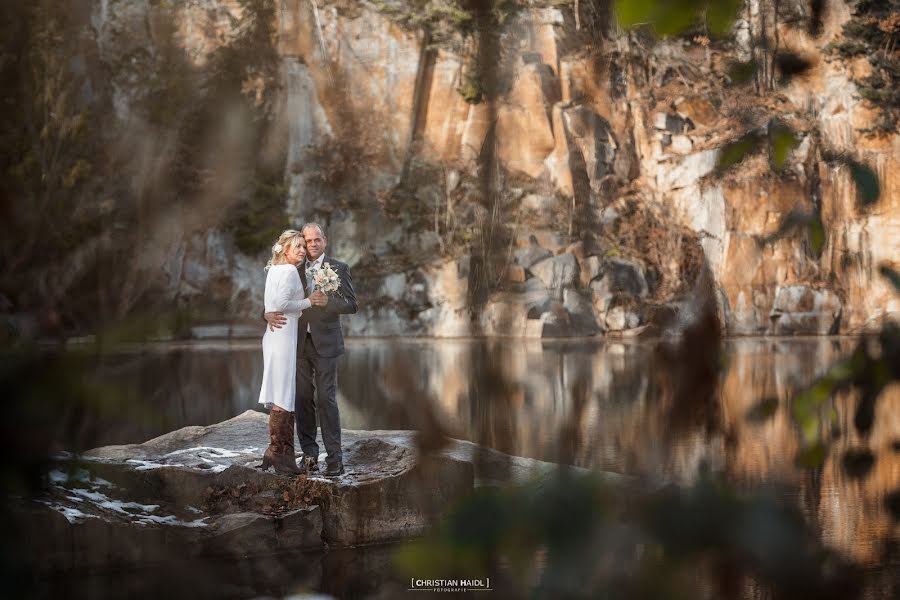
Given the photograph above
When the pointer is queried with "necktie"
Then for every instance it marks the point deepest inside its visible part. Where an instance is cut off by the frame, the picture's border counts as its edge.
(310, 276)
(310, 283)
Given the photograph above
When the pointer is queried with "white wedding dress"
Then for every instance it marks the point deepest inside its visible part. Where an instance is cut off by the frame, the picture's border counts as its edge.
(284, 293)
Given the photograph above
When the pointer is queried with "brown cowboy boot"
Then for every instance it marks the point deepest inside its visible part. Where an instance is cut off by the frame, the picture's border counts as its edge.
(285, 462)
(281, 433)
(271, 453)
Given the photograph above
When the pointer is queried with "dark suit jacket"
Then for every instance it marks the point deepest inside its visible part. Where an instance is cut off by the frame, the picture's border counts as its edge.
(325, 321)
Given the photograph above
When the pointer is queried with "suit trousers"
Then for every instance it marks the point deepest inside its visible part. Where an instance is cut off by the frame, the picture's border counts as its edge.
(317, 396)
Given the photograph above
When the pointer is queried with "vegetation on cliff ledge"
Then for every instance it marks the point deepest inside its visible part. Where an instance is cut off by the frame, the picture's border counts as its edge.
(874, 33)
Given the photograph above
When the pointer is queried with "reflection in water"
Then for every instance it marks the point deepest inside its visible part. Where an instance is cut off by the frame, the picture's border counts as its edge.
(593, 404)
(345, 573)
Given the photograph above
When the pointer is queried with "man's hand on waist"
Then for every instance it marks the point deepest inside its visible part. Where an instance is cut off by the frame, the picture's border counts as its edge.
(276, 320)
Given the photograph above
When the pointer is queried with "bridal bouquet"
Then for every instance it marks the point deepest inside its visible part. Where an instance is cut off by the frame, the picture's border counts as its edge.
(326, 279)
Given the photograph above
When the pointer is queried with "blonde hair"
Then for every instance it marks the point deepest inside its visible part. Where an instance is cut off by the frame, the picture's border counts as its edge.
(288, 237)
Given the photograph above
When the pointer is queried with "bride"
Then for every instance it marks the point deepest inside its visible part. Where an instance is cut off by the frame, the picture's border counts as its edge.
(284, 293)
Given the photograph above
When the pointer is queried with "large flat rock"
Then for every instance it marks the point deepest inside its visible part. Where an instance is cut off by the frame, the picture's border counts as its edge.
(196, 490)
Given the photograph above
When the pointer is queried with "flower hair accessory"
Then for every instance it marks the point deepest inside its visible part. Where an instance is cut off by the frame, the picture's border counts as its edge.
(277, 248)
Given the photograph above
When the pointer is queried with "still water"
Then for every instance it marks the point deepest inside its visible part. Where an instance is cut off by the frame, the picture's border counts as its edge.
(604, 405)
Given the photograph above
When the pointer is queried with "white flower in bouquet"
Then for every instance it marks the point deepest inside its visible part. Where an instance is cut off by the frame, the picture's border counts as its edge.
(326, 279)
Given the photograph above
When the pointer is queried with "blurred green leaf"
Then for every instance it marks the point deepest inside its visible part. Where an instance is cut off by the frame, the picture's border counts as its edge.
(806, 408)
(868, 188)
(870, 381)
(812, 457)
(781, 141)
(810, 222)
(793, 220)
(892, 503)
(763, 410)
(844, 370)
(481, 519)
(889, 340)
(809, 410)
(631, 13)
(674, 16)
(891, 275)
(429, 556)
(736, 151)
(578, 548)
(834, 423)
(742, 72)
(720, 15)
(816, 235)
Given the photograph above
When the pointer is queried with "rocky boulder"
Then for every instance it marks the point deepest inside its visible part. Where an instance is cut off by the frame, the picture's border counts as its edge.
(535, 295)
(533, 92)
(196, 491)
(799, 309)
(394, 286)
(582, 319)
(557, 272)
(620, 276)
(620, 318)
(590, 139)
(530, 253)
(550, 324)
(381, 320)
(501, 318)
(447, 287)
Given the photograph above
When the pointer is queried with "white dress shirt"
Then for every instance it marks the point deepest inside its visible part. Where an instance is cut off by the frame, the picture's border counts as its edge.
(310, 266)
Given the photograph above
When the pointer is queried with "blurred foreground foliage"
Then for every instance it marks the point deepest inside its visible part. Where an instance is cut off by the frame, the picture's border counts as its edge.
(570, 536)
(678, 16)
(91, 186)
(57, 403)
(576, 535)
(873, 365)
(261, 219)
(50, 153)
(573, 535)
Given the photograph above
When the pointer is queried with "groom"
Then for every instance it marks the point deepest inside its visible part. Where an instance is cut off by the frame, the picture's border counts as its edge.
(319, 344)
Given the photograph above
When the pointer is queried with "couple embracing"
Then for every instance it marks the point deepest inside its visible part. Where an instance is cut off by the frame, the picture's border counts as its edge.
(306, 293)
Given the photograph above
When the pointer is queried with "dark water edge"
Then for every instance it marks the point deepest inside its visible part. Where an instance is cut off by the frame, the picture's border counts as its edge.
(350, 573)
(600, 404)
(345, 573)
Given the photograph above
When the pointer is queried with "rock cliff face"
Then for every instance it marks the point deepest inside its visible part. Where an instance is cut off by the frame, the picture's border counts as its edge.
(578, 193)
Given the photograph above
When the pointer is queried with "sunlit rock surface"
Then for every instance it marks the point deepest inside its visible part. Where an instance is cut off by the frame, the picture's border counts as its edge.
(195, 491)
